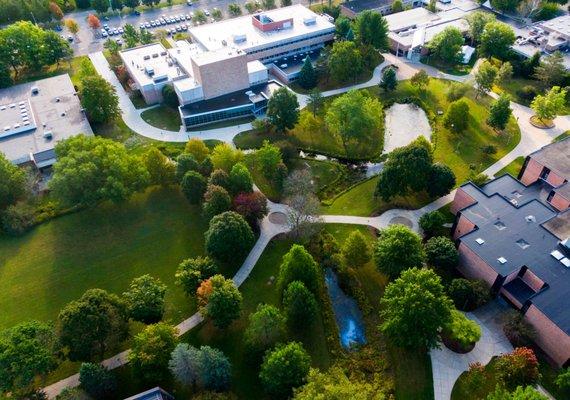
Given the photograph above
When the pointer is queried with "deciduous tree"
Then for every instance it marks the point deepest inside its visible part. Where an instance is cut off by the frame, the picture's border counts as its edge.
(500, 112)
(446, 45)
(456, 117)
(441, 180)
(283, 109)
(485, 77)
(252, 206)
(193, 186)
(372, 28)
(266, 328)
(551, 70)
(477, 21)
(240, 179)
(13, 179)
(356, 250)
(345, 61)
(496, 40)
(97, 381)
(398, 248)
(225, 157)
(160, 168)
(414, 309)
(216, 201)
(221, 302)
(285, 369)
(547, 107)
(420, 79)
(228, 238)
(99, 99)
(389, 80)
(193, 271)
(298, 265)
(197, 148)
(441, 253)
(145, 299)
(150, 352)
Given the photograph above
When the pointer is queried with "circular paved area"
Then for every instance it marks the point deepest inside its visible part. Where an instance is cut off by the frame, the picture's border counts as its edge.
(278, 218)
(402, 221)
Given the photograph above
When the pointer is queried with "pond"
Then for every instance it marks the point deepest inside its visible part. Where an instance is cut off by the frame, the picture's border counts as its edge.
(347, 314)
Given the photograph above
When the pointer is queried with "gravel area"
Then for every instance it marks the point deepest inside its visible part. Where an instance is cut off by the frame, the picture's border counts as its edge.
(405, 123)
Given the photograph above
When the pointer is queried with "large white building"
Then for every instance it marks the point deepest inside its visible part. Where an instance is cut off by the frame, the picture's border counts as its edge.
(228, 62)
(35, 116)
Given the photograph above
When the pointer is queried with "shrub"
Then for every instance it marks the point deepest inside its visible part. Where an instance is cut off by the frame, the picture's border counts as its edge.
(461, 330)
(220, 178)
(519, 332)
(519, 368)
(216, 201)
(169, 96)
(468, 295)
(563, 379)
(527, 93)
(17, 219)
(356, 250)
(193, 186)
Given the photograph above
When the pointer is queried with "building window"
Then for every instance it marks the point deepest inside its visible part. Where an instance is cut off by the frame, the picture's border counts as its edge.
(544, 174)
(550, 196)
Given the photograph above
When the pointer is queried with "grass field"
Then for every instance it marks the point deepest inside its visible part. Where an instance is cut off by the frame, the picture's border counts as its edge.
(163, 117)
(105, 247)
(513, 168)
(451, 69)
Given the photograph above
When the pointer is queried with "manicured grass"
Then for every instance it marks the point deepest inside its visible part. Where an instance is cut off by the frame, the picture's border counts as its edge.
(562, 136)
(513, 168)
(451, 69)
(104, 247)
(70, 67)
(514, 86)
(223, 124)
(163, 117)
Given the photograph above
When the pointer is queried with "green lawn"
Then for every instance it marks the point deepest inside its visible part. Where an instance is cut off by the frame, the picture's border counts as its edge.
(513, 86)
(562, 136)
(163, 117)
(451, 69)
(64, 67)
(513, 168)
(105, 247)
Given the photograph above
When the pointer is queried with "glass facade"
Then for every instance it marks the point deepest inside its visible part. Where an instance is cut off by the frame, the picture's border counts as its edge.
(225, 114)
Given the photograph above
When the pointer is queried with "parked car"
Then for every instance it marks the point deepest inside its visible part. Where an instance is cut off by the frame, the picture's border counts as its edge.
(147, 25)
(121, 31)
(207, 12)
(70, 38)
(189, 2)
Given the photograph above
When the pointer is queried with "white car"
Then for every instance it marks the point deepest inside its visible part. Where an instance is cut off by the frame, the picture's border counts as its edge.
(121, 31)
(207, 12)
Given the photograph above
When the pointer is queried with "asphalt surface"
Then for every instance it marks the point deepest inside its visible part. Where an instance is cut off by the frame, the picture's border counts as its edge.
(89, 41)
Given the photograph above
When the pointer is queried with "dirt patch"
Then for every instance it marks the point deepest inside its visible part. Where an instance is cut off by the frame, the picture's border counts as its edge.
(401, 221)
(278, 218)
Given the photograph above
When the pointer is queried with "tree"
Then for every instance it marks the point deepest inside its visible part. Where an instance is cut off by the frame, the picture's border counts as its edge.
(414, 308)
(477, 21)
(342, 25)
(145, 299)
(91, 169)
(456, 117)
(100, 6)
(356, 250)
(97, 381)
(496, 40)
(72, 25)
(193, 271)
(13, 180)
(345, 62)
(219, 177)
(298, 265)
(300, 305)
(315, 101)
(216, 201)
(193, 186)
(169, 96)
(505, 5)
(27, 351)
(215, 369)
(446, 45)
(185, 163)
(397, 6)
(161, 170)
(520, 393)
(234, 9)
(420, 79)
(551, 70)
(93, 21)
(112, 46)
(504, 74)
(131, 36)
(406, 170)
(55, 10)
(389, 80)
(303, 204)
(431, 222)
(397, 249)
(500, 112)
(547, 10)
(468, 295)
(252, 206)
(335, 385)
(197, 148)
(563, 379)
(461, 330)
(99, 99)
(266, 328)
(268, 4)
(307, 75)
(150, 352)
(283, 109)
(146, 37)
(441, 180)
(217, 14)
(284, 369)
(240, 179)
(485, 77)
(372, 28)
(225, 157)
(228, 238)
(89, 326)
(518, 368)
(268, 157)
(548, 106)
(219, 300)
(252, 6)
(441, 253)
(5, 76)
(185, 364)
(199, 17)
(54, 49)
(354, 118)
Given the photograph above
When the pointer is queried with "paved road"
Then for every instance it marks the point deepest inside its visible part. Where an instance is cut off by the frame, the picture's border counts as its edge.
(89, 41)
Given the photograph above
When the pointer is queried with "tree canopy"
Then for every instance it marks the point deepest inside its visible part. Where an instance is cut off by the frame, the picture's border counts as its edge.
(220, 300)
(265, 329)
(548, 106)
(97, 381)
(496, 40)
(446, 45)
(307, 76)
(345, 62)
(356, 250)
(298, 265)
(91, 169)
(283, 109)
(13, 180)
(456, 117)
(414, 309)
(300, 305)
(397, 249)
(228, 238)
(500, 112)
(284, 369)
(145, 299)
(372, 29)
(99, 99)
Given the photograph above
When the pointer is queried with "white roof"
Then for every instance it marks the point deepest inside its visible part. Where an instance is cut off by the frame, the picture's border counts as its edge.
(559, 25)
(221, 34)
(150, 57)
(467, 53)
(255, 66)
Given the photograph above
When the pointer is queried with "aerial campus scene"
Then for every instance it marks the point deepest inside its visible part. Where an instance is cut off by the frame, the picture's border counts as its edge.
(285, 199)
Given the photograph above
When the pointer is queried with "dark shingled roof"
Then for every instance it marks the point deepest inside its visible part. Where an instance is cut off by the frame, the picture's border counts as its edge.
(506, 213)
(555, 156)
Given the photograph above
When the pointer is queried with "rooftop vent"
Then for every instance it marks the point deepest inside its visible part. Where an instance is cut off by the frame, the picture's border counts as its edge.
(239, 37)
(57, 99)
(566, 262)
(48, 135)
(523, 243)
(155, 55)
(312, 20)
(502, 260)
(530, 218)
(499, 225)
(147, 57)
(479, 241)
(35, 90)
(514, 202)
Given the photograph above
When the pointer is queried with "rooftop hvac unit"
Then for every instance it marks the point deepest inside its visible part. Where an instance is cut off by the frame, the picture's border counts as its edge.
(163, 53)
(502, 260)
(149, 70)
(312, 20)
(48, 135)
(239, 37)
(35, 90)
(147, 57)
(155, 55)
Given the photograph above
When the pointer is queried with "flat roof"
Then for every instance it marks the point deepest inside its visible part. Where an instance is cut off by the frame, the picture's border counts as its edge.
(55, 110)
(149, 63)
(559, 25)
(555, 156)
(362, 5)
(234, 99)
(504, 226)
(221, 34)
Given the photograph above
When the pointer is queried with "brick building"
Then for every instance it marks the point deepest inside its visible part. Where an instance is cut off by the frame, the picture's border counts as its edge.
(515, 235)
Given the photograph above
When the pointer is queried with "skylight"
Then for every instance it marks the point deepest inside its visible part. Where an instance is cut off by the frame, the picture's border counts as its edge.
(500, 226)
(523, 243)
(479, 241)
(502, 260)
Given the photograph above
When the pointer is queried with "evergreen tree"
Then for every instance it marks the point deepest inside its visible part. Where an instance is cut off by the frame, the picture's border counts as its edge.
(307, 76)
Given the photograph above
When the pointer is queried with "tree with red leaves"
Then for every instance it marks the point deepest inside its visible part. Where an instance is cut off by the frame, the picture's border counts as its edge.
(93, 21)
(252, 206)
(518, 368)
